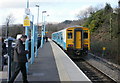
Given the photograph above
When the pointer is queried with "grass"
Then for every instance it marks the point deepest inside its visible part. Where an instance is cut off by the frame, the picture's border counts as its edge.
(111, 52)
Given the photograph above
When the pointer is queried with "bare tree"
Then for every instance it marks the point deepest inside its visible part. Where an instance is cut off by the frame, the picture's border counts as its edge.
(9, 20)
(82, 14)
(85, 13)
(88, 11)
(98, 7)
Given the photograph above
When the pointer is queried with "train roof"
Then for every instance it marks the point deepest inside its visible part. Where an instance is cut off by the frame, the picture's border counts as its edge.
(60, 30)
(84, 28)
(74, 26)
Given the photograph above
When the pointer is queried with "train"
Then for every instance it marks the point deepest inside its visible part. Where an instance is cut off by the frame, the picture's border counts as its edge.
(74, 39)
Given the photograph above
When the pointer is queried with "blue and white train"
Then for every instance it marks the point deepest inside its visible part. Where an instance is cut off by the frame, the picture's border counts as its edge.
(75, 38)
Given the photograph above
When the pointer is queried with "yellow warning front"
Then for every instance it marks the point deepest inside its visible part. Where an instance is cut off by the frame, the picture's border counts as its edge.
(26, 18)
(26, 23)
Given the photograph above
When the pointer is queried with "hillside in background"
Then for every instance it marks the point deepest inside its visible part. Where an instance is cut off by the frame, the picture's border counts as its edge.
(102, 22)
(103, 25)
(13, 30)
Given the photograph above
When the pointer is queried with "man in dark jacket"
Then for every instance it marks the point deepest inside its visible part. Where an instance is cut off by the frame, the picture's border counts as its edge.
(20, 59)
(4, 51)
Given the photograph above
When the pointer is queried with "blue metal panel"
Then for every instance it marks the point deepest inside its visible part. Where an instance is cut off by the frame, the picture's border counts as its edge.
(36, 40)
(42, 33)
(44, 28)
(64, 46)
(26, 45)
(32, 40)
(32, 44)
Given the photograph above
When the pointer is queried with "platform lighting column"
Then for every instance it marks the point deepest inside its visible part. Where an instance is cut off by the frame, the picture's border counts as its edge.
(37, 28)
(42, 31)
(27, 34)
(118, 32)
(119, 16)
(110, 26)
(38, 17)
(45, 24)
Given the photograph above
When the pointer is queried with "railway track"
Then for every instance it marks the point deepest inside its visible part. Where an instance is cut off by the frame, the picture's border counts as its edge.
(91, 67)
(93, 74)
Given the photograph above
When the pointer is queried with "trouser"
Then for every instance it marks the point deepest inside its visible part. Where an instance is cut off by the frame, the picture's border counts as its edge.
(20, 66)
(3, 61)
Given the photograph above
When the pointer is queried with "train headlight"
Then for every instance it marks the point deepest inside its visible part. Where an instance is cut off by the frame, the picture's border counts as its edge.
(85, 45)
(70, 45)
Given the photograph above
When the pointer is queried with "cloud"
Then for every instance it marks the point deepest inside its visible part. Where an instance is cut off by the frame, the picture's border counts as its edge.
(12, 4)
(59, 10)
(22, 3)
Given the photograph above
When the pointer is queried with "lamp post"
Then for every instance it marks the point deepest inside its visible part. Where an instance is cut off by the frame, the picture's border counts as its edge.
(38, 15)
(45, 24)
(110, 26)
(42, 29)
(111, 20)
(7, 30)
(119, 16)
(43, 12)
(119, 3)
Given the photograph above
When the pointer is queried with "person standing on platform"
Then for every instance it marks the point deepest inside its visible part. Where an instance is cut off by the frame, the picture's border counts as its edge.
(4, 51)
(46, 39)
(20, 59)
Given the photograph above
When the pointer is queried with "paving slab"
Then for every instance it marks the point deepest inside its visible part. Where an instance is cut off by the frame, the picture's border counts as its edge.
(44, 68)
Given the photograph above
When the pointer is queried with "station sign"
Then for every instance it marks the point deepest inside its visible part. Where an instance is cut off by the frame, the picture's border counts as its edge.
(104, 48)
(26, 21)
(27, 11)
(46, 32)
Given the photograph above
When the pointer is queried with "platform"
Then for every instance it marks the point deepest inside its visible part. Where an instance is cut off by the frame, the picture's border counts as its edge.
(53, 64)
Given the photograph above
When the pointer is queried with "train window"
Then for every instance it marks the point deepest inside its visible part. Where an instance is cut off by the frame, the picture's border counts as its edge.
(69, 30)
(85, 35)
(69, 35)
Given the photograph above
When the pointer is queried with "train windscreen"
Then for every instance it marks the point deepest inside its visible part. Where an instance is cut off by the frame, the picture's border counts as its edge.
(85, 35)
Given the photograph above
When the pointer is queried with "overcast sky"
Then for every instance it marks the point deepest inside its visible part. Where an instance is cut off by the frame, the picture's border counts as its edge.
(59, 10)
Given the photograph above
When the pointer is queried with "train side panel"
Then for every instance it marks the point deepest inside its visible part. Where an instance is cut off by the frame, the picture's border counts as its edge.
(63, 44)
(60, 38)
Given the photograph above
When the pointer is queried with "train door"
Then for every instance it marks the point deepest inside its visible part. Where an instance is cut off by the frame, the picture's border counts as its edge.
(78, 38)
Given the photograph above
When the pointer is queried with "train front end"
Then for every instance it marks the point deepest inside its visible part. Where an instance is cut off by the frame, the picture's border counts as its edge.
(78, 40)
